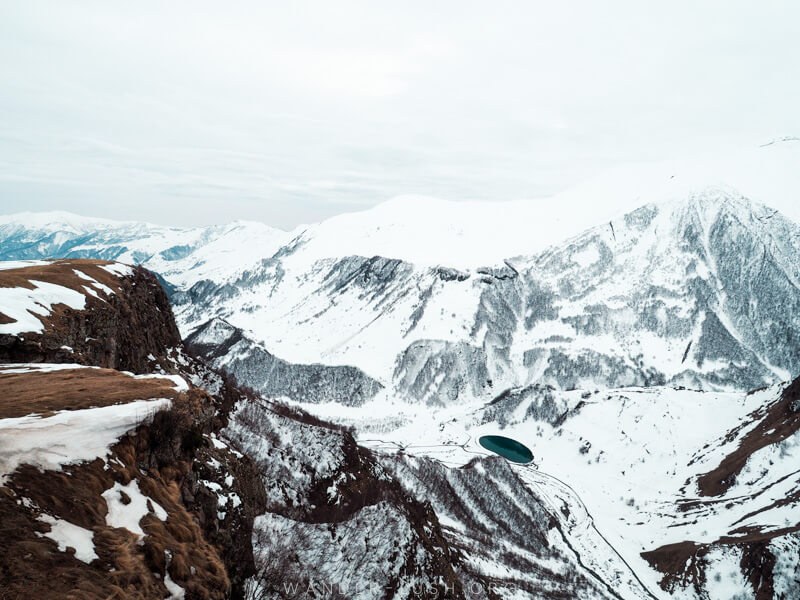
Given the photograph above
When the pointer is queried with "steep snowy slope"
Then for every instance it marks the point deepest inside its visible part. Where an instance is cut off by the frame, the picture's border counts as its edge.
(701, 292)
(684, 493)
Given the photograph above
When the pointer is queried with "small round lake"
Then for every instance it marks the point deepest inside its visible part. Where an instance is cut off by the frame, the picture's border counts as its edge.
(507, 448)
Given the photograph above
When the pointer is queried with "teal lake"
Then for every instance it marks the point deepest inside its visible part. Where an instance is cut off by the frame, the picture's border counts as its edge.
(507, 448)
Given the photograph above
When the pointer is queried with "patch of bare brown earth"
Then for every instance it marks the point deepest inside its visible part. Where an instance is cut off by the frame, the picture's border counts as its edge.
(73, 389)
(776, 422)
(684, 564)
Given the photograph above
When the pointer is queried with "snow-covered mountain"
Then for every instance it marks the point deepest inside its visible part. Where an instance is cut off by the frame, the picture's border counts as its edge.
(700, 293)
(622, 349)
(174, 482)
(440, 302)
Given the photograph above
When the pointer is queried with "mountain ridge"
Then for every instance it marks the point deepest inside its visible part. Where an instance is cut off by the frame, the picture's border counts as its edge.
(471, 232)
(582, 350)
(667, 279)
(672, 272)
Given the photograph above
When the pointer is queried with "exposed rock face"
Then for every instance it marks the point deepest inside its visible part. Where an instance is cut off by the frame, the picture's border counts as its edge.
(698, 281)
(227, 347)
(129, 326)
(438, 372)
(335, 516)
(223, 487)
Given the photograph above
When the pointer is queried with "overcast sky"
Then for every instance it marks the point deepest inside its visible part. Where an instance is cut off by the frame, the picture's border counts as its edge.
(287, 112)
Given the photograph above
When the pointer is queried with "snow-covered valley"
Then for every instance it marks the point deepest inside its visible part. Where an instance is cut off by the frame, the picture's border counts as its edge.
(646, 360)
(630, 464)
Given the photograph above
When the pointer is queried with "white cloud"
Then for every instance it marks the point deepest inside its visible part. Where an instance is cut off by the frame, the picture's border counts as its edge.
(294, 111)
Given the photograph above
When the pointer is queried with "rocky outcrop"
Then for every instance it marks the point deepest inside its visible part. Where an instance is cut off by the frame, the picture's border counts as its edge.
(228, 348)
(202, 497)
(127, 326)
(440, 373)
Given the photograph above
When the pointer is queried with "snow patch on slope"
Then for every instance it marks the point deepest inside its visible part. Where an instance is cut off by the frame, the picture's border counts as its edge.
(69, 436)
(26, 306)
(126, 511)
(67, 535)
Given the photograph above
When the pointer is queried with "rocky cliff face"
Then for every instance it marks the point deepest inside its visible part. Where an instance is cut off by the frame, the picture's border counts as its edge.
(140, 502)
(227, 347)
(124, 320)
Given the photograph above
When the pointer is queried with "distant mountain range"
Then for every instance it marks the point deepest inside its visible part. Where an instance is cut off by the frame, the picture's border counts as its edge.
(702, 293)
(646, 361)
